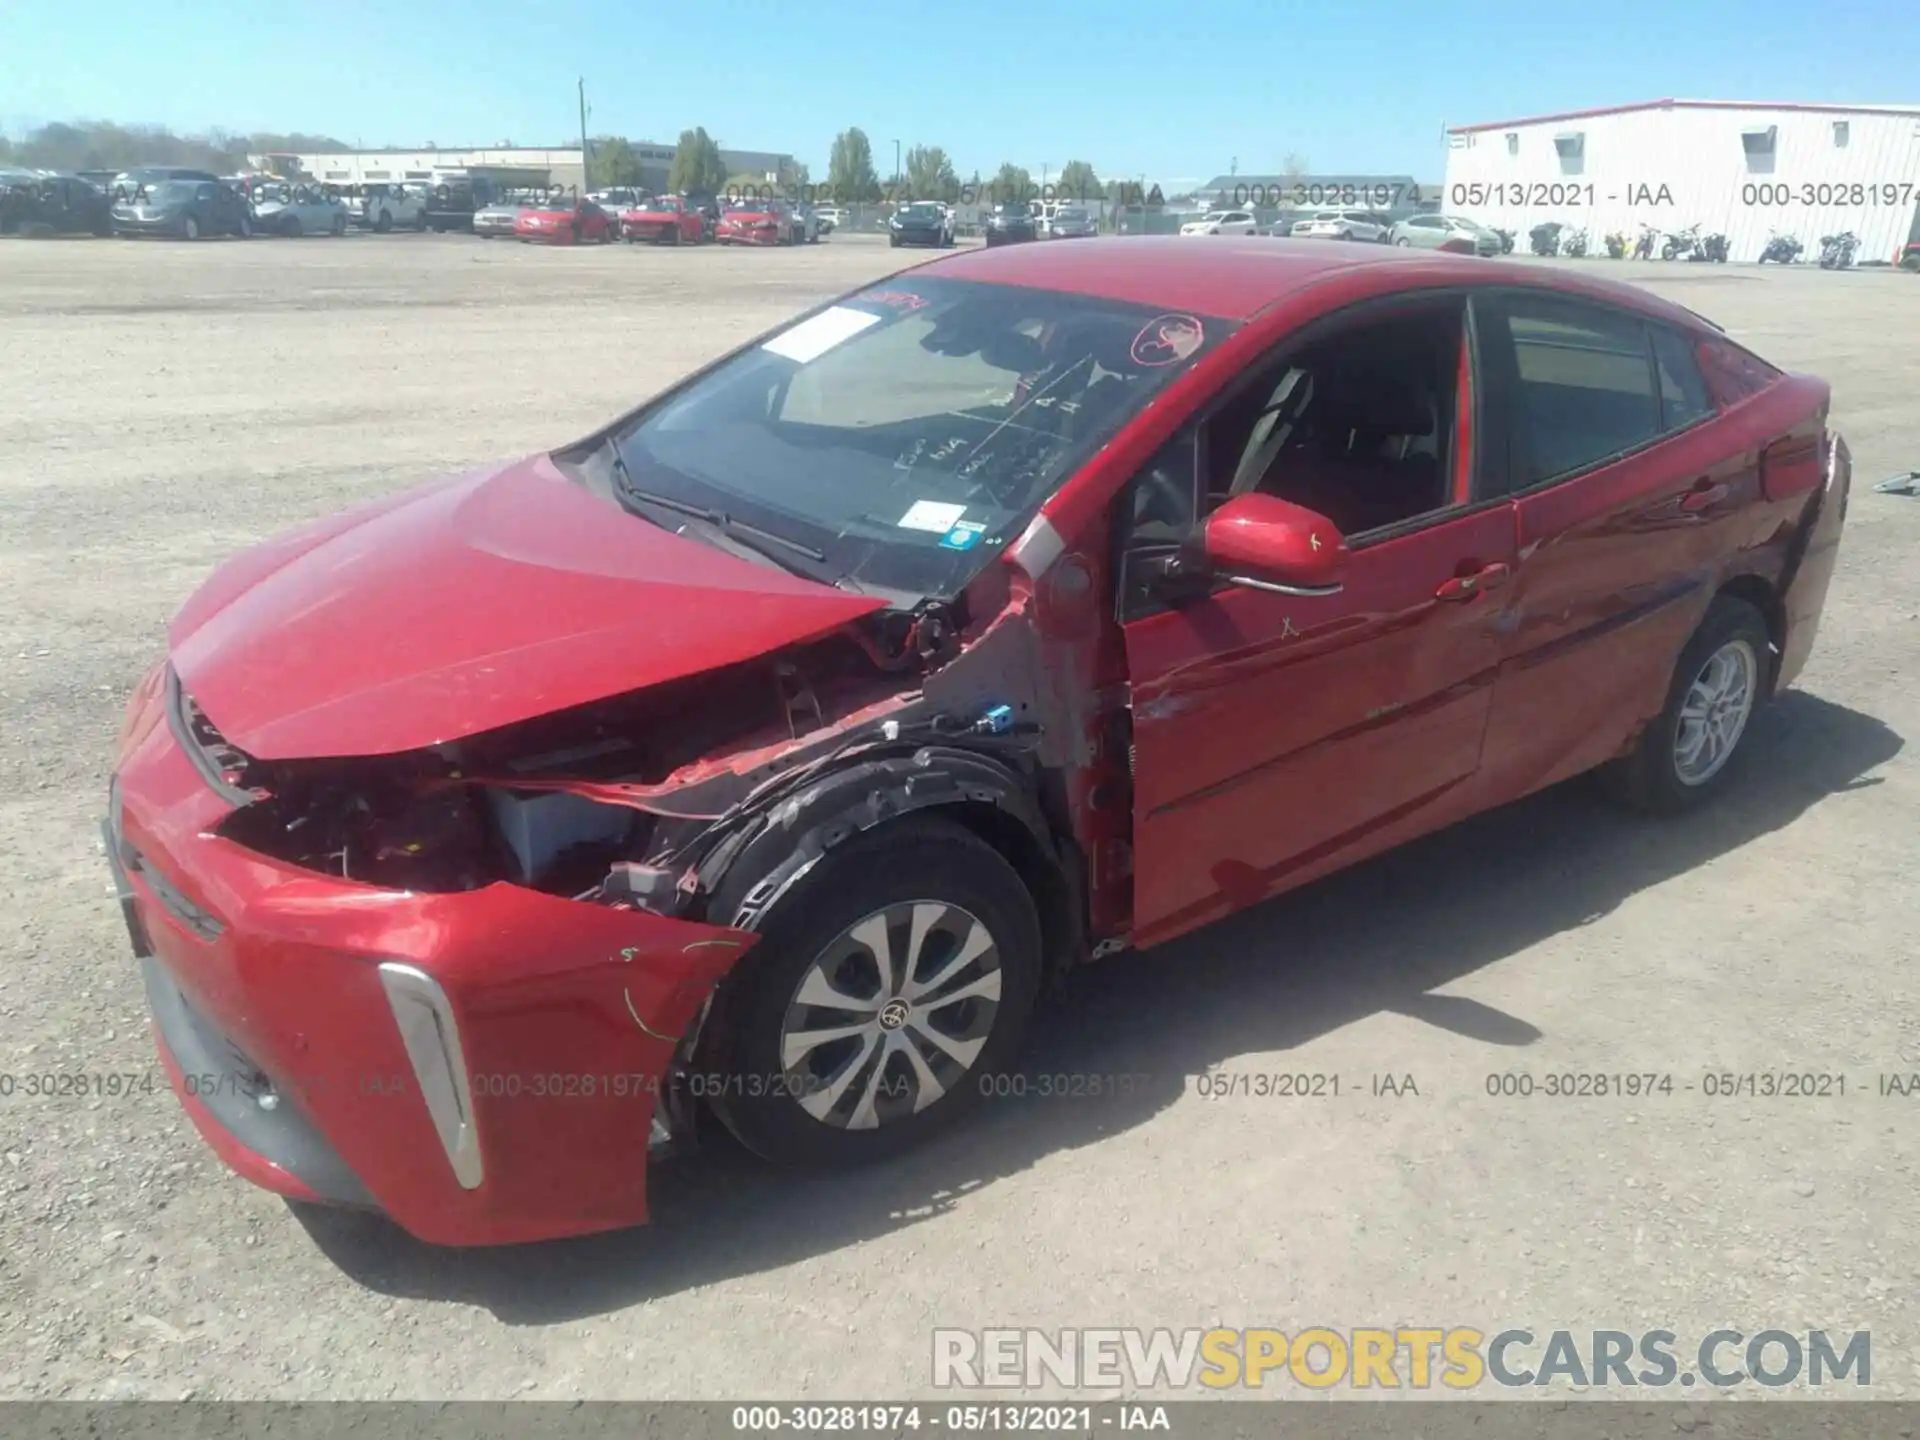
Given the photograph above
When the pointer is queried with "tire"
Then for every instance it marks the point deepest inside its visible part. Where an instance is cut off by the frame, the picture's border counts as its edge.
(420, 223)
(757, 1017)
(383, 222)
(190, 229)
(1404, 243)
(246, 227)
(1653, 777)
(294, 227)
(339, 226)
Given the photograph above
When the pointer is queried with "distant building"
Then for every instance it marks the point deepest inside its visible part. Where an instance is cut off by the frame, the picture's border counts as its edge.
(563, 164)
(1743, 169)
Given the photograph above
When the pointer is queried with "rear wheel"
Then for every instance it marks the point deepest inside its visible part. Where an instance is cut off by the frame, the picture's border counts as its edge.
(1686, 754)
(190, 228)
(420, 222)
(888, 989)
(382, 223)
(1404, 243)
(340, 224)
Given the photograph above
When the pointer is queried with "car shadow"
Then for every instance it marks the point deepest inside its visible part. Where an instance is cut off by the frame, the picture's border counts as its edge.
(1380, 937)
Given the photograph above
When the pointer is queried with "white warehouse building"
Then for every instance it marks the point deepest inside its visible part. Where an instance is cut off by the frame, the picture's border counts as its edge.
(1737, 168)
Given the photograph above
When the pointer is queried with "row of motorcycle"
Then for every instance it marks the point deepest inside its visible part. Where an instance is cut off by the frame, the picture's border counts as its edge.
(1554, 238)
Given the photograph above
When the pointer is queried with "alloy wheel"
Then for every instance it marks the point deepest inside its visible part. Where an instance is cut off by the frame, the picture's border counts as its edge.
(1714, 715)
(891, 1015)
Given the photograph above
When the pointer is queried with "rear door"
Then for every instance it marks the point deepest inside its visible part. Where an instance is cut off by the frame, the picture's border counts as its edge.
(1627, 502)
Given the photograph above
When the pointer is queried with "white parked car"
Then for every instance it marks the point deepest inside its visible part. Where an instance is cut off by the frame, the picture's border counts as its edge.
(1454, 233)
(283, 209)
(1343, 225)
(831, 217)
(381, 208)
(1221, 222)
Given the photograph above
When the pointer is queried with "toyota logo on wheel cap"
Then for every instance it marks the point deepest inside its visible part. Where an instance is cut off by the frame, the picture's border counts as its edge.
(894, 1014)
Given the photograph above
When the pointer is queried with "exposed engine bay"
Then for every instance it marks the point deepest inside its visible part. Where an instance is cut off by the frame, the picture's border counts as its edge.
(642, 800)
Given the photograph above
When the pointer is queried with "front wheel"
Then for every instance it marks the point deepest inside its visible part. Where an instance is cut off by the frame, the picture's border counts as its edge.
(190, 228)
(887, 994)
(1685, 756)
(382, 223)
(1404, 243)
(340, 226)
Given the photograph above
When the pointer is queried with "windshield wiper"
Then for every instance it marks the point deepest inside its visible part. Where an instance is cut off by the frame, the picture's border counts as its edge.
(719, 519)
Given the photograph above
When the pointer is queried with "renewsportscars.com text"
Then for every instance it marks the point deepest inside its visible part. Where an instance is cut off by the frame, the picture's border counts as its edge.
(1396, 1357)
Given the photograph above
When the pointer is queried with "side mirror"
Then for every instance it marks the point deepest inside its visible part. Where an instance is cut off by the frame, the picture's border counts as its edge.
(1272, 544)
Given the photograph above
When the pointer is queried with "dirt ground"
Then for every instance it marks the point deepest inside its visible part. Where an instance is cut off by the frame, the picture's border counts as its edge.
(162, 405)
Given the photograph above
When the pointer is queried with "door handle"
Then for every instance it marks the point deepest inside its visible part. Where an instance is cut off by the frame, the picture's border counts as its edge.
(1465, 587)
(1703, 496)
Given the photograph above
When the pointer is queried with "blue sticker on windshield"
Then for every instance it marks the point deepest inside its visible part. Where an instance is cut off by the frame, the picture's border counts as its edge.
(963, 536)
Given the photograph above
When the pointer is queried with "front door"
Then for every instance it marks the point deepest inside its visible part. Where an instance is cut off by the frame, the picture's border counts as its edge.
(1277, 736)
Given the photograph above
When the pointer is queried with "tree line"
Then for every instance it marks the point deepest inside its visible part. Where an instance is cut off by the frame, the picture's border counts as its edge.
(103, 145)
(926, 172)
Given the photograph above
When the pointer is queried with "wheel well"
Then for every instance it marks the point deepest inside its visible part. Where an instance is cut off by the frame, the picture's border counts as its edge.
(1763, 597)
(1049, 879)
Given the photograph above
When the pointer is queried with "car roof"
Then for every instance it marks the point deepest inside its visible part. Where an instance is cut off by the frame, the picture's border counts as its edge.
(1234, 278)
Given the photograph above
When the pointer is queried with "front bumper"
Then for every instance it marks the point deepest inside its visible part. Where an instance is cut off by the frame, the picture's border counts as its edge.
(743, 236)
(919, 237)
(650, 229)
(483, 1067)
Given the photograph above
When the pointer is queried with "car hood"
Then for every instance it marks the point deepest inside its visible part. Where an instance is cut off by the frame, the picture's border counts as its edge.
(469, 604)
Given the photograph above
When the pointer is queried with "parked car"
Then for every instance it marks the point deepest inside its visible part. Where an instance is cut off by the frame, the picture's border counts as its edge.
(498, 217)
(455, 198)
(185, 210)
(129, 184)
(563, 220)
(1343, 225)
(1453, 233)
(924, 222)
(702, 780)
(1221, 222)
(806, 224)
(54, 205)
(665, 219)
(616, 199)
(750, 221)
(1011, 223)
(1071, 222)
(383, 207)
(282, 209)
(830, 218)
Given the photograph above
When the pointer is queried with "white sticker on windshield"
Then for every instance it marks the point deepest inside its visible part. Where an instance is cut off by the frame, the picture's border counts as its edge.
(811, 339)
(934, 516)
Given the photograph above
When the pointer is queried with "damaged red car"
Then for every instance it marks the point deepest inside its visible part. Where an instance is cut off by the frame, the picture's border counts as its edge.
(760, 757)
(564, 221)
(663, 220)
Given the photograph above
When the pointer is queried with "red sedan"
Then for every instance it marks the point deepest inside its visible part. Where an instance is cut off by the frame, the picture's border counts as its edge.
(759, 756)
(756, 222)
(664, 220)
(565, 222)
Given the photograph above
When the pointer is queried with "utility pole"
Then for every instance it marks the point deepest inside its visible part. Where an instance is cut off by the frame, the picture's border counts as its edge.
(896, 170)
(586, 163)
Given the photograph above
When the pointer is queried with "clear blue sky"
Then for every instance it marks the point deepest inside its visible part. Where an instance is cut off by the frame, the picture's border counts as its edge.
(1162, 88)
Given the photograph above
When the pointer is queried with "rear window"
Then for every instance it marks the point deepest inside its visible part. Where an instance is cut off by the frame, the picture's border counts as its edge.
(1732, 374)
(1683, 392)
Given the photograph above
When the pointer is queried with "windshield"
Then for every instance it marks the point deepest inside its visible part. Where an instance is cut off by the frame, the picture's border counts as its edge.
(925, 210)
(170, 192)
(909, 432)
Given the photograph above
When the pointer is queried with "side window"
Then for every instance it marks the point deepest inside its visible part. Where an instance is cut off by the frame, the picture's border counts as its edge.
(1683, 393)
(1159, 512)
(1732, 374)
(1585, 387)
(1357, 425)
(204, 192)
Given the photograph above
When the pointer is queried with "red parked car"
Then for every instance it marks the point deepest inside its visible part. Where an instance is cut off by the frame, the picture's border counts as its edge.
(664, 220)
(759, 755)
(560, 221)
(757, 222)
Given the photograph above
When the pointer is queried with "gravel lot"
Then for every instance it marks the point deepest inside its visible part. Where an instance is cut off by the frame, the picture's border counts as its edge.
(167, 404)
